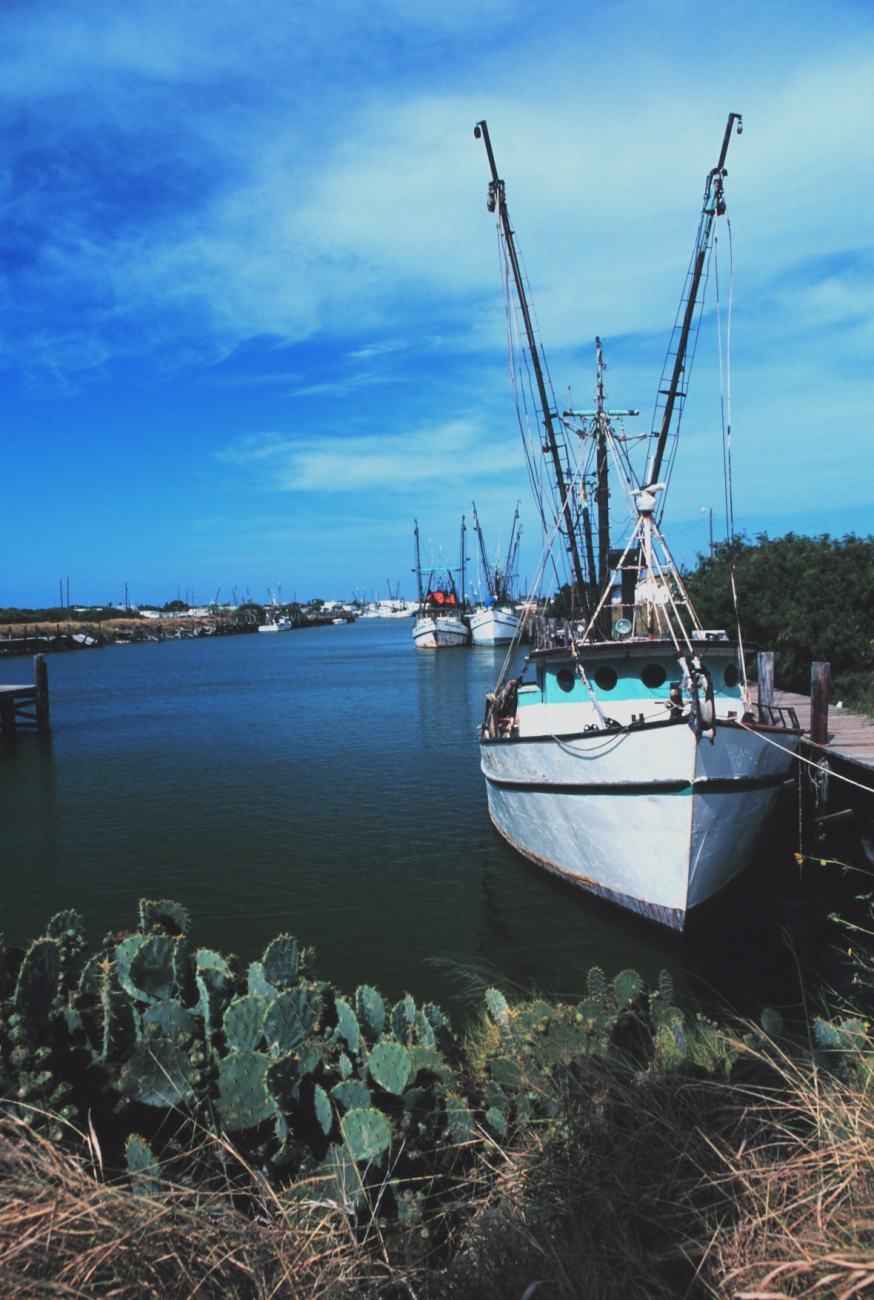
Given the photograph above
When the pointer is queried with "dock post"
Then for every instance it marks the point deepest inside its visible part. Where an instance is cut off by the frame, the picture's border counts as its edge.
(819, 683)
(765, 667)
(41, 682)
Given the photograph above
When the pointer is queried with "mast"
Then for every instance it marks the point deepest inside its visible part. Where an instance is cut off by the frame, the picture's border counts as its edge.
(497, 199)
(512, 550)
(463, 531)
(418, 560)
(602, 491)
(714, 205)
(482, 552)
(601, 429)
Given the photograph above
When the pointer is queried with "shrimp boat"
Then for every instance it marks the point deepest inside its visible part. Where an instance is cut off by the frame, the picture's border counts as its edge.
(494, 620)
(628, 756)
(441, 618)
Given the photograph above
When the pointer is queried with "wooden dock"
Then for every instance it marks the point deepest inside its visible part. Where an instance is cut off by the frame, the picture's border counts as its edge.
(850, 736)
(27, 705)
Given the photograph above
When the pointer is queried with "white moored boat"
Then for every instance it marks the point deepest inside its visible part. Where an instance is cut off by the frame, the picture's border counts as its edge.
(494, 621)
(494, 624)
(628, 757)
(441, 619)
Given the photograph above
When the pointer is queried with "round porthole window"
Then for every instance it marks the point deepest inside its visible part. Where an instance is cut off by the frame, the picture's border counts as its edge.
(606, 678)
(730, 675)
(565, 679)
(653, 676)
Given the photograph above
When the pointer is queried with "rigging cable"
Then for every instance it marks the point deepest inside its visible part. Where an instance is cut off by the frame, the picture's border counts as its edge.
(725, 411)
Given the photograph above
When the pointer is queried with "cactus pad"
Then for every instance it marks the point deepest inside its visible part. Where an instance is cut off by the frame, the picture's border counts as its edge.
(171, 1017)
(596, 984)
(627, 987)
(390, 1065)
(347, 1025)
(244, 1022)
(351, 1093)
(424, 1030)
(37, 984)
(371, 1011)
(256, 983)
(243, 1099)
(322, 1107)
(281, 962)
(215, 985)
(403, 1017)
(291, 1017)
(142, 1167)
(460, 1121)
(367, 1133)
(163, 916)
(146, 967)
(498, 1007)
(157, 1073)
(66, 925)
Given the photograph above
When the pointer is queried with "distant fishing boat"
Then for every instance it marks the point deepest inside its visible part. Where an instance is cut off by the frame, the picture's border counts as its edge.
(628, 756)
(441, 621)
(493, 620)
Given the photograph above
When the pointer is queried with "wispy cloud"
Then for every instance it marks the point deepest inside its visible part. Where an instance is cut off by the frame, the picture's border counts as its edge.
(435, 455)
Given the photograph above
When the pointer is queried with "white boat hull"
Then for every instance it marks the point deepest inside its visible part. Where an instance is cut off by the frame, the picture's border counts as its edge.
(494, 626)
(440, 631)
(590, 808)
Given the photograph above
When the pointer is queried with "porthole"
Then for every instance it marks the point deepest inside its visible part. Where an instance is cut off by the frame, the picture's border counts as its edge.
(653, 676)
(606, 678)
(565, 679)
(730, 675)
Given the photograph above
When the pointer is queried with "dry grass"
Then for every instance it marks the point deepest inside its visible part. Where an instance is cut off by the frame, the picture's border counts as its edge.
(649, 1186)
(63, 1234)
(800, 1183)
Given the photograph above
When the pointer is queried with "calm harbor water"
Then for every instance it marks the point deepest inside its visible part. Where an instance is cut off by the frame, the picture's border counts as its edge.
(325, 782)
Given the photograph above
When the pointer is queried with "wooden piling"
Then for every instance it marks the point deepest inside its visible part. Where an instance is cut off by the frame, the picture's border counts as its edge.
(41, 682)
(820, 674)
(765, 665)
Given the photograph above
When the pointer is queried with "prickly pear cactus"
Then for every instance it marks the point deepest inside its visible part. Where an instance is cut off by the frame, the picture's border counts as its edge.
(291, 1017)
(348, 1028)
(371, 1012)
(498, 1007)
(390, 1066)
(244, 1022)
(38, 978)
(142, 1167)
(281, 962)
(366, 1132)
(147, 967)
(403, 1019)
(157, 1073)
(243, 1099)
(163, 916)
(351, 1093)
(323, 1109)
(627, 988)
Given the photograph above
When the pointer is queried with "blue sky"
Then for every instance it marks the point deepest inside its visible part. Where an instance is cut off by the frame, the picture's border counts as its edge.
(251, 316)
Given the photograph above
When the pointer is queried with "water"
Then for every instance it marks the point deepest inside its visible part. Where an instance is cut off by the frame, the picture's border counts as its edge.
(323, 782)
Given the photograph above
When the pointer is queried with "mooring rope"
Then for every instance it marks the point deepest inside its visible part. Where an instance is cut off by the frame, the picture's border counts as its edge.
(801, 759)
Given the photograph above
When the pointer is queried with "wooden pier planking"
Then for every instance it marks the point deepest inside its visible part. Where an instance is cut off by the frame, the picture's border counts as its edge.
(850, 736)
